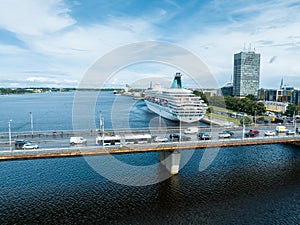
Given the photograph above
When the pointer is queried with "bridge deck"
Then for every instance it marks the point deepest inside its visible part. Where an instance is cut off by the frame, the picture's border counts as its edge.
(138, 148)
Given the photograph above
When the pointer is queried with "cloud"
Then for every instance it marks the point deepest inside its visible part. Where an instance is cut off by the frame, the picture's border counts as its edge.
(34, 17)
(93, 40)
(272, 31)
(11, 50)
(55, 41)
(48, 81)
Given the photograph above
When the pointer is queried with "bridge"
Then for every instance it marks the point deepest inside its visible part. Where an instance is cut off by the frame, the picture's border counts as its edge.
(168, 152)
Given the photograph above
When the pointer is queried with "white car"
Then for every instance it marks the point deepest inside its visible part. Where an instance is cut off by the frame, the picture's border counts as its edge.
(191, 130)
(270, 133)
(160, 139)
(77, 140)
(224, 135)
(290, 132)
(30, 146)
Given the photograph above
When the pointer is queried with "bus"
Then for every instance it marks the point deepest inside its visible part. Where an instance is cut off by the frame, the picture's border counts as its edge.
(108, 140)
(137, 138)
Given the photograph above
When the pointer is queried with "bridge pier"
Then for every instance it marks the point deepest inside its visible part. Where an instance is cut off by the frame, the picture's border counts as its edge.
(171, 160)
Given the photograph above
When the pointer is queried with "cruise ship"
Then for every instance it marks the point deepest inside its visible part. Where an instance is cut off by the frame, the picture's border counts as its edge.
(175, 103)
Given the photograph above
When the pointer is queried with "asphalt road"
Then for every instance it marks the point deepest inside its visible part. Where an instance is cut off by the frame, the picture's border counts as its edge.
(61, 141)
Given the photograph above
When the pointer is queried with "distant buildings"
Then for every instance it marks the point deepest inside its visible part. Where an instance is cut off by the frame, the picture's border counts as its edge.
(278, 99)
(246, 73)
(246, 78)
(227, 89)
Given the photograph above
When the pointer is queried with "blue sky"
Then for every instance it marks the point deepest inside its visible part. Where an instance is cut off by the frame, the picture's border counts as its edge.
(53, 43)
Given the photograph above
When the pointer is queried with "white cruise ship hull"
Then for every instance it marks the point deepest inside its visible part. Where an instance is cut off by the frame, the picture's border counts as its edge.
(167, 114)
(162, 111)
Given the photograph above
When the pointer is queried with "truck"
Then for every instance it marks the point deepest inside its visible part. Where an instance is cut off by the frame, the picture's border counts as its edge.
(280, 129)
(77, 140)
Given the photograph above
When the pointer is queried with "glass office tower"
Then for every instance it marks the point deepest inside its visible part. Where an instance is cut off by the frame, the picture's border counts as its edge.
(246, 73)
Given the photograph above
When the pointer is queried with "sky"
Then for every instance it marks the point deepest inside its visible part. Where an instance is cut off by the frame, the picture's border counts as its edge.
(53, 43)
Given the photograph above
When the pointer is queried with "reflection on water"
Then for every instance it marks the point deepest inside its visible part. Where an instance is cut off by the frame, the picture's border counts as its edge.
(243, 185)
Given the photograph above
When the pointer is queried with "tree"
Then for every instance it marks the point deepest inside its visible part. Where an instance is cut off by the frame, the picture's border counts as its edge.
(291, 110)
(201, 94)
(251, 97)
(246, 121)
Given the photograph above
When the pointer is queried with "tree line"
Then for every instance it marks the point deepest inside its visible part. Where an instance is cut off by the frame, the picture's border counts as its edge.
(248, 105)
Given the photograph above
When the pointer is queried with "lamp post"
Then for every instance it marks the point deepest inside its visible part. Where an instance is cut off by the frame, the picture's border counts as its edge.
(243, 127)
(102, 119)
(9, 135)
(159, 121)
(295, 124)
(179, 129)
(100, 122)
(211, 119)
(255, 118)
(101, 125)
(31, 123)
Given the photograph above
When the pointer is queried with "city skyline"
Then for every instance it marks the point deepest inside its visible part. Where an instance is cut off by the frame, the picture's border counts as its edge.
(53, 43)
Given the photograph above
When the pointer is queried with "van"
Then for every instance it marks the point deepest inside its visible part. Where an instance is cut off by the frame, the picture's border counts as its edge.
(280, 129)
(191, 130)
(77, 140)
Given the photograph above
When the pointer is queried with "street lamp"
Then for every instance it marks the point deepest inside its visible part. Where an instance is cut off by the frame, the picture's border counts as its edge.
(101, 124)
(295, 123)
(255, 118)
(31, 122)
(243, 127)
(9, 135)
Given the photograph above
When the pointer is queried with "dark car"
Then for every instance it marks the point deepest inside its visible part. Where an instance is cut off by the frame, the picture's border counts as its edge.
(204, 136)
(176, 136)
(19, 143)
(251, 134)
(229, 132)
(254, 131)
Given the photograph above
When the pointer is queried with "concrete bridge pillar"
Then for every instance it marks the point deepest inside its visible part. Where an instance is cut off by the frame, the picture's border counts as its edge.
(170, 159)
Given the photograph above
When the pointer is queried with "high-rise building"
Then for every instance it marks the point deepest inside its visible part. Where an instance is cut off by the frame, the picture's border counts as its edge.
(246, 73)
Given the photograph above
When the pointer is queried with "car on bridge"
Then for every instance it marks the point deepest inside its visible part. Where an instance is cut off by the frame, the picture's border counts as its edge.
(270, 133)
(29, 145)
(251, 134)
(229, 132)
(176, 137)
(254, 131)
(161, 139)
(290, 132)
(77, 140)
(19, 143)
(204, 136)
(224, 135)
(191, 130)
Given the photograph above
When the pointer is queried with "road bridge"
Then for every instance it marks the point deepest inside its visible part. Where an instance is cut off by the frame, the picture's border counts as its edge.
(168, 152)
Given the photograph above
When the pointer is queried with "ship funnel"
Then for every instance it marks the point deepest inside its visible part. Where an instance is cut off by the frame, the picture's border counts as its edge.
(177, 84)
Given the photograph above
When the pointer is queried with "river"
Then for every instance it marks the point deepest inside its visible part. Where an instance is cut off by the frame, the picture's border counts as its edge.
(242, 185)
